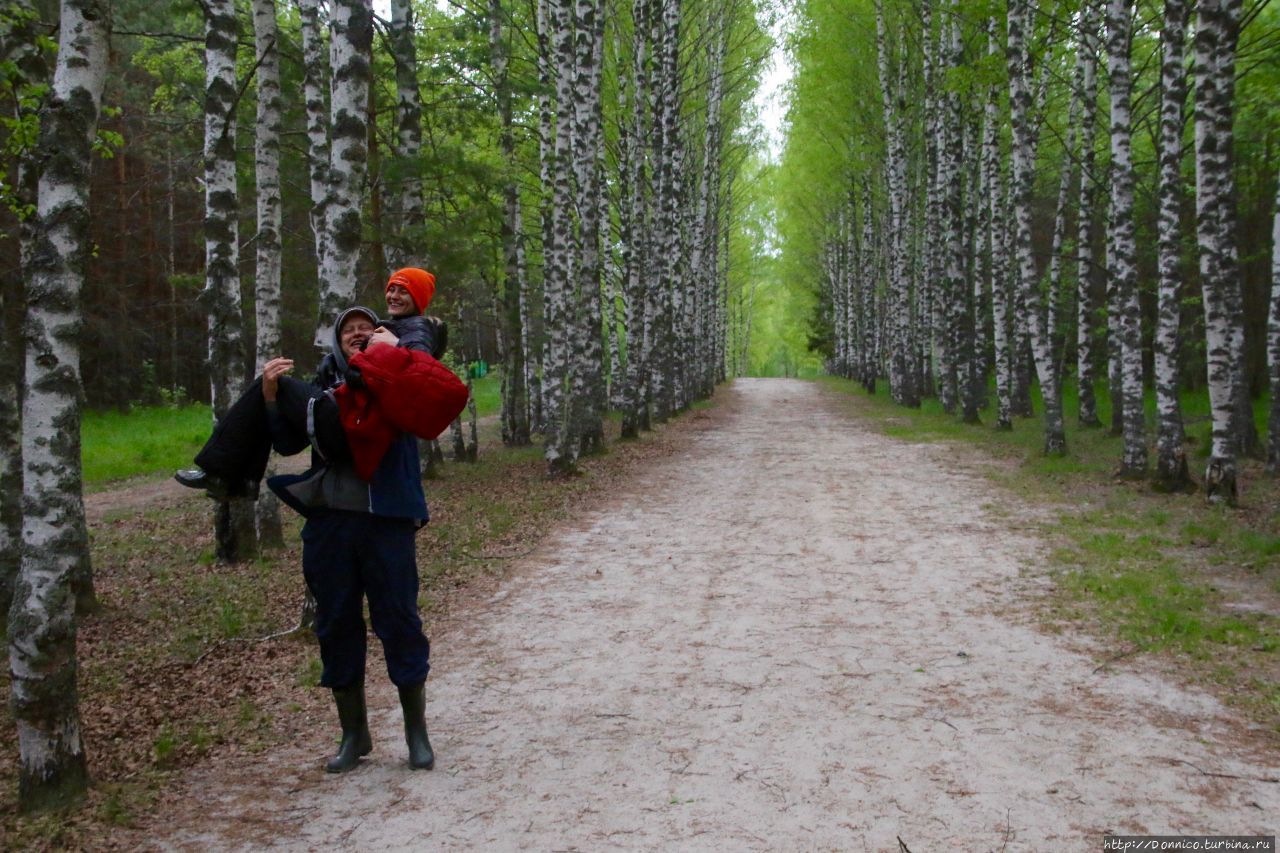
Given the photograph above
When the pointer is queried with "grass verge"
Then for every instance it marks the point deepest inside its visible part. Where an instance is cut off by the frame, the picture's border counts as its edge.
(1194, 586)
(180, 668)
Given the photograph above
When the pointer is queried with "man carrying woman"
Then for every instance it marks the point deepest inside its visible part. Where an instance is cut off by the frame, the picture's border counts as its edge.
(362, 497)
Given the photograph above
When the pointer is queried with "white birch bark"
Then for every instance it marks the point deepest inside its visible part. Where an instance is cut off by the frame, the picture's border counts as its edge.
(902, 366)
(993, 195)
(632, 221)
(588, 150)
(315, 63)
(1087, 79)
(234, 525)
(268, 240)
(351, 39)
(1123, 272)
(1171, 457)
(404, 206)
(1023, 160)
(1273, 345)
(515, 398)
(561, 448)
(953, 296)
(52, 770)
(28, 68)
(1214, 187)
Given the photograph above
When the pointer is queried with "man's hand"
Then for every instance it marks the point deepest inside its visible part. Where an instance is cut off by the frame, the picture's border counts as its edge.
(271, 373)
(383, 335)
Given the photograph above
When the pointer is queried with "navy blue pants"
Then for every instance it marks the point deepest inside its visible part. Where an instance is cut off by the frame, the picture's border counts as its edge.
(347, 556)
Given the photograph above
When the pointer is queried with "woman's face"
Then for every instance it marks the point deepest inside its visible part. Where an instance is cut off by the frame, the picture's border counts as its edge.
(354, 333)
(400, 302)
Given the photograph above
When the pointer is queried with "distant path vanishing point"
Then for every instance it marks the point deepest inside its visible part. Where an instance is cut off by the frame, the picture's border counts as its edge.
(795, 634)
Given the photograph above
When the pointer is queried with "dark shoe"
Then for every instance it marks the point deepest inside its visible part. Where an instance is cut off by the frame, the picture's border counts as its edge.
(218, 488)
(414, 703)
(355, 729)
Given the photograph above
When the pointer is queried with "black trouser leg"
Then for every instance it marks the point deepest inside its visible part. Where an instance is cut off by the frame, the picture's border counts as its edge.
(241, 440)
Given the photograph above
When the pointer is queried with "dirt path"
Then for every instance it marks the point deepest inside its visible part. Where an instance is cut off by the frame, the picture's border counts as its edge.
(766, 645)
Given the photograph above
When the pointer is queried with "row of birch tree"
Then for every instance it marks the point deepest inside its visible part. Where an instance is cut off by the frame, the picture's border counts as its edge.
(568, 168)
(1044, 193)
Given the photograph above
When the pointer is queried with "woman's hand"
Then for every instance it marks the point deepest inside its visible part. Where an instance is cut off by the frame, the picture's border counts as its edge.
(271, 373)
(383, 335)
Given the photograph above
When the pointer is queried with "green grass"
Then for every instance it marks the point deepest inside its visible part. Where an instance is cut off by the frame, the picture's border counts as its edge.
(146, 440)
(488, 394)
(1155, 572)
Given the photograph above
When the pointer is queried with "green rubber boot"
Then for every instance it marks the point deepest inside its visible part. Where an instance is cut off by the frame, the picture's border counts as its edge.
(414, 702)
(355, 729)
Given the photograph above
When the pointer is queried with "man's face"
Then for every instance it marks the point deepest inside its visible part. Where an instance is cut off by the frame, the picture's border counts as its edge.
(353, 334)
(399, 302)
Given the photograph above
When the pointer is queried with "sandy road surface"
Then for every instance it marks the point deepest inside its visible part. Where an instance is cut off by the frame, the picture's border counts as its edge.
(767, 644)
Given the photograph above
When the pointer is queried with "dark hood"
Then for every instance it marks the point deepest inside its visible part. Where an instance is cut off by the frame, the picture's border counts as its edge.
(340, 360)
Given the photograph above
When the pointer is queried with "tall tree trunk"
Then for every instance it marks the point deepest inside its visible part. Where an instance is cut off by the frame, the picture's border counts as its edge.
(956, 313)
(1214, 66)
(1087, 77)
(52, 769)
(561, 448)
(268, 260)
(1124, 272)
(515, 397)
(28, 69)
(351, 39)
(1023, 155)
(404, 206)
(315, 81)
(588, 149)
(902, 365)
(632, 218)
(234, 523)
(1273, 345)
(994, 213)
(1171, 457)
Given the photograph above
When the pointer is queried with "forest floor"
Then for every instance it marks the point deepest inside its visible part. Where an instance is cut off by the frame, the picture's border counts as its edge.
(791, 633)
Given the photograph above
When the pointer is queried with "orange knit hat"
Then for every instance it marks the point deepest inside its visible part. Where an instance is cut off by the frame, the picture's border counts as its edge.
(420, 284)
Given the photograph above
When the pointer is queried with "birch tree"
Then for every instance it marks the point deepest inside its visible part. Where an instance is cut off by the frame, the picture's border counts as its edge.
(994, 216)
(1087, 82)
(1023, 157)
(26, 70)
(268, 241)
(42, 629)
(1171, 457)
(632, 219)
(350, 42)
(515, 397)
(902, 361)
(1122, 270)
(234, 524)
(404, 208)
(315, 75)
(1273, 345)
(1214, 49)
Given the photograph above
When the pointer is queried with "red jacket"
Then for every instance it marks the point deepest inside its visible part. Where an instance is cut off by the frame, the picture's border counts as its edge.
(404, 390)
